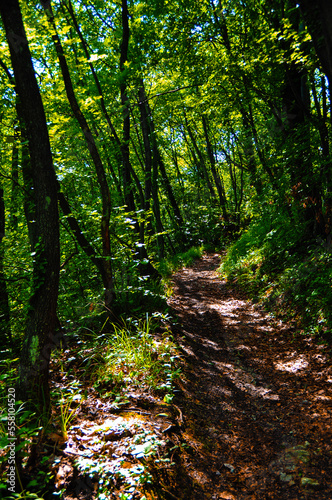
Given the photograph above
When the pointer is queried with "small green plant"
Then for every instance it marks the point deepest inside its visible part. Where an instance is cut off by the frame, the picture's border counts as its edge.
(168, 266)
(67, 414)
(134, 356)
(24, 495)
(68, 403)
(26, 430)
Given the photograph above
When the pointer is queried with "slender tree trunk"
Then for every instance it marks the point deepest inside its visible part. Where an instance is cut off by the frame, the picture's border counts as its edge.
(127, 171)
(42, 318)
(255, 180)
(80, 238)
(5, 330)
(318, 18)
(15, 185)
(116, 143)
(202, 164)
(126, 177)
(29, 198)
(93, 150)
(153, 145)
(216, 177)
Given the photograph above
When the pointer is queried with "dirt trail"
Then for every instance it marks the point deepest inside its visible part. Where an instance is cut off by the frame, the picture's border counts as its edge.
(256, 399)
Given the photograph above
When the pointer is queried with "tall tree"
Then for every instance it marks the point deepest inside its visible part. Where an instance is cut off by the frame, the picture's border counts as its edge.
(318, 18)
(107, 275)
(5, 331)
(42, 317)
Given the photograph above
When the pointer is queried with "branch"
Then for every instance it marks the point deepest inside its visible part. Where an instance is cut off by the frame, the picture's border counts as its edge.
(5, 68)
(171, 91)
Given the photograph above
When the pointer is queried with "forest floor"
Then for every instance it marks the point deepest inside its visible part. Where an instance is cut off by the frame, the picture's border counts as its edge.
(256, 397)
(251, 417)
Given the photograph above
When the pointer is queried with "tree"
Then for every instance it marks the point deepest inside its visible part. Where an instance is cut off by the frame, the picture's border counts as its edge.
(42, 317)
(107, 275)
(318, 17)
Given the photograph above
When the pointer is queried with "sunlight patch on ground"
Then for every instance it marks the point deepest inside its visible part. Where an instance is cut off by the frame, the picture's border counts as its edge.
(211, 344)
(243, 348)
(320, 395)
(293, 365)
(231, 311)
(245, 382)
(319, 358)
(225, 496)
(265, 328)
(111, 452)
(228, 308)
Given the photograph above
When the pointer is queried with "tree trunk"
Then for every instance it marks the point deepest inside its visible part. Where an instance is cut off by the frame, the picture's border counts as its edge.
(201, 160)
(15, 184)
(126, 177)
(216, 177)
(5, 331)
(296, 102)
(93, 150)
(318, 18)
(42, 318)
(116, 143)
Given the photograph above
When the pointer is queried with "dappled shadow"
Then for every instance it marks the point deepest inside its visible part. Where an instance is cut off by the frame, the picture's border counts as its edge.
(256, 399)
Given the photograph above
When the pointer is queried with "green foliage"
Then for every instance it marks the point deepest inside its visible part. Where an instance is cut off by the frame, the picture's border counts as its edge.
(136, 292)
(292, 276)
(251, 71)
(303, 289)
(129, 479)
(24, 495)
(132, 355)
(26, 429)
(168, 266)
(18, 271)
(67, 412)
(204, 226)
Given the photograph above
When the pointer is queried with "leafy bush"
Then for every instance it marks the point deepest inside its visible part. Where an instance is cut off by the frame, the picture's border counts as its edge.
(278, 265)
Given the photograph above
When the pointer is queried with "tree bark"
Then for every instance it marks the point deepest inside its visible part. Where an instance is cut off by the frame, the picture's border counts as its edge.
(318, 18)
(126, 177)
(114, 136)
(93, 150)
(202, 165)
(5, 330)
(216, 177)
(42, 319)
(15, 184)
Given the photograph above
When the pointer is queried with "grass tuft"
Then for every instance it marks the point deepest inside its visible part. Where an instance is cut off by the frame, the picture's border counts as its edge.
(170, 265)
(135, 356)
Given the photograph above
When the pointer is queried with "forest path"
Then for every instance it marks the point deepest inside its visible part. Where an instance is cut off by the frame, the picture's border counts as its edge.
(256, 400)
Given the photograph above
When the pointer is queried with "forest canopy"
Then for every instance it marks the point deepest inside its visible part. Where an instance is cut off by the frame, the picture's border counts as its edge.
(132, 132)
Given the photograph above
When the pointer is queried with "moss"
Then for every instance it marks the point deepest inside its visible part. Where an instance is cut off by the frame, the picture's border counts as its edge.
(34, 349)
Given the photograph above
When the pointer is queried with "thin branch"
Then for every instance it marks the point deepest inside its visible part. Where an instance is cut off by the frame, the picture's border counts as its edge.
(5, 68)
(171, 91)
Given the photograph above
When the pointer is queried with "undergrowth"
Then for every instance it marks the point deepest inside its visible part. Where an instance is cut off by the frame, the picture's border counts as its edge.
(168, 266)
(132, 355)
(289, 273)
